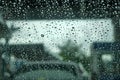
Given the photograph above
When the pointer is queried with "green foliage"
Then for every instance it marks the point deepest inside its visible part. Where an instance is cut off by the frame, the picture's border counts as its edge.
(72, 52)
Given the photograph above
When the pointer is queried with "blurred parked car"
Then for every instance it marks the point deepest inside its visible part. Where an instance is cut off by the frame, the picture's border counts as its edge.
(49, 70)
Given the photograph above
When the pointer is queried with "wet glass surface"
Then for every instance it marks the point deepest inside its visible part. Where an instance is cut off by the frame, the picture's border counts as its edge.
(59, 40)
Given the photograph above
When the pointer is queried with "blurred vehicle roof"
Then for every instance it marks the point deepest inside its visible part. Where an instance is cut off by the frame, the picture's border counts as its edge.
(39, 67)
(51, 62)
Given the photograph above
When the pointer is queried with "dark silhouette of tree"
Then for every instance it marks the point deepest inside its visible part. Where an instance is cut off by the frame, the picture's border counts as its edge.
(5, 31)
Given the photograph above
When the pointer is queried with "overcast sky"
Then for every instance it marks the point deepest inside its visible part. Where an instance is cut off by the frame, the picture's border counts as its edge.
(55, 32)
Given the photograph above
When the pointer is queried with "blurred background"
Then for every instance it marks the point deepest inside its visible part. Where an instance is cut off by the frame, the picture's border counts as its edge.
(86, 32)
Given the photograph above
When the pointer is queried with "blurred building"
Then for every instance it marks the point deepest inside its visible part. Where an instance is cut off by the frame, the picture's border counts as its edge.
(105, 66)
(31, 52)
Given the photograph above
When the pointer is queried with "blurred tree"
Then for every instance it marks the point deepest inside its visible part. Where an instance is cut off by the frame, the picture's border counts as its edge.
(5, 31)
(72, 52)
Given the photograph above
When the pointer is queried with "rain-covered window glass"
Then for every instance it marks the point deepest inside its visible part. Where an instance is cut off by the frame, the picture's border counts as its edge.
(59, 40)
